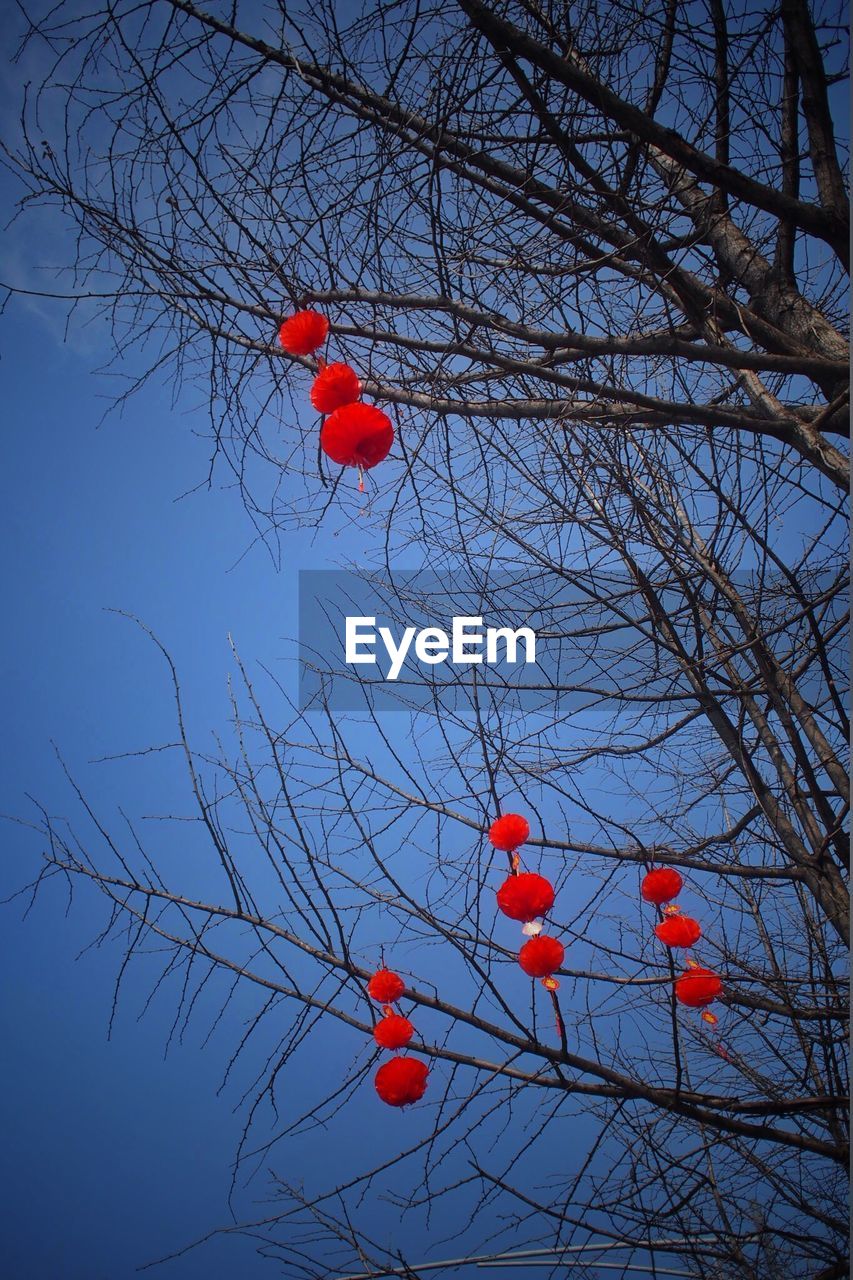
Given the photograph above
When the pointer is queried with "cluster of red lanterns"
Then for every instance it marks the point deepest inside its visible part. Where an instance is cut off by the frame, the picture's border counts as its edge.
(401, 1080)
(697, 987)
(527, 897)
(353, 434)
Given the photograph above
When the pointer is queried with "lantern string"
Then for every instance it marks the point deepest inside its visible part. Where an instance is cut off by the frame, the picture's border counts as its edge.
(401, 1080)
(539, 957)
(667, 884)
(380, 434)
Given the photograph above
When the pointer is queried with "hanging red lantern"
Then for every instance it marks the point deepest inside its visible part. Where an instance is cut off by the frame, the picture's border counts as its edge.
(541, 956)
(525, 896)
(393, 1031)
(357, 435)
(678, 931)
(509, 831)
(697, 987)
(303, 332)
(401, 1081)
(661, 885)
(385, 987)
(335, 385)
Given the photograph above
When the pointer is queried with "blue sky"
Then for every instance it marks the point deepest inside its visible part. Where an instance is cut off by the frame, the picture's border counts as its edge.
(111, 1154)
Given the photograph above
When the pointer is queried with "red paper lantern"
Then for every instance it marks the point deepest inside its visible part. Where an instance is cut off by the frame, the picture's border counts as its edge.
(393, 1032)
(678, 931)
(509, 832)
(661, 885)
(697, 987)
(303, 333)
(541, 956)
(357, 435)
(385, 987)
(334, 386)
(525, 896)
(401, 1081)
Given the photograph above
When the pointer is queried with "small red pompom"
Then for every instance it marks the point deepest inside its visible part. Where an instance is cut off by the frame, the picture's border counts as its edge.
(401, 1081)
(697, 987)
(661, 885)
(508, 832)
(334, 386)
(357, 435)
(385, 987)
(678, 931)
(393, 1032)
(541, 956)
(303, 333)
(525, 896)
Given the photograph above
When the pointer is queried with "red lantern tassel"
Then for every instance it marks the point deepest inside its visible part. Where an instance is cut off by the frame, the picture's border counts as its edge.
(551, 985)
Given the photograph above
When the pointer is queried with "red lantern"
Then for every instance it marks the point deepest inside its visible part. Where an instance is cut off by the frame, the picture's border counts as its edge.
(509, 832)
(678, 931)
(334, 386)
(393, 1032)
(661, 885)
(697, 987)
(541, 956)
(525, 896)
(401, 1081)
(385, 987)
(303, 333)
(357, 435)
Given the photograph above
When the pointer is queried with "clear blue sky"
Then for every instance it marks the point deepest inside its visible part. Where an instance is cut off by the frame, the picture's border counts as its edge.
(110, 1153)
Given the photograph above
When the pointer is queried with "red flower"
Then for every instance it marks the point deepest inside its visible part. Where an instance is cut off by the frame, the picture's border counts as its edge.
(697, 987)
(401, 1081)
(509, 832)
(393, 1032)
(678, 931)
(357, 435)
(303, 333)
(541, 956)
(525, 896)
(334, 386)
(385, 987)
(661, 885)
